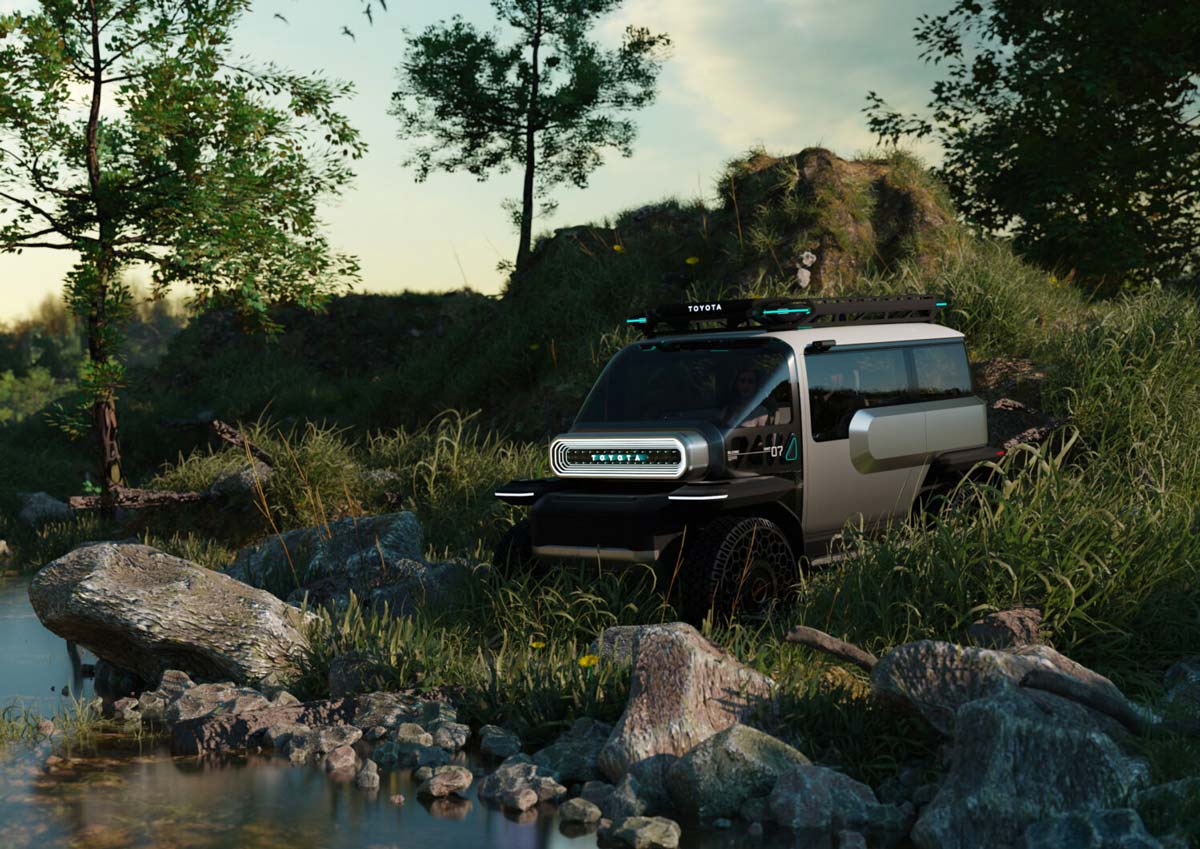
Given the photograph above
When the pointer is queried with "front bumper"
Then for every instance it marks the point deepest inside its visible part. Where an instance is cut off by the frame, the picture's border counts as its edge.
(625, 521)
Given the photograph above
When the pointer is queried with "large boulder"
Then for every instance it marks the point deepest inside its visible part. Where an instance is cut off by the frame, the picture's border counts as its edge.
(148, 612)
(1005, 629)
(937, 678)
(817, 803)
(683, 691)
(361, 551)
(717, 777)
(1013, 764)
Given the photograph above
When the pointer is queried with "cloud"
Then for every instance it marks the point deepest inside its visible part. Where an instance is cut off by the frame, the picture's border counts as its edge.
(784, 73)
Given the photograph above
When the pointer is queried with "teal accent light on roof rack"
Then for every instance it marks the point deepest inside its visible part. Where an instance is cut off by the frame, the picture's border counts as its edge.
(940, 304)
(787, 311)
(635, 321)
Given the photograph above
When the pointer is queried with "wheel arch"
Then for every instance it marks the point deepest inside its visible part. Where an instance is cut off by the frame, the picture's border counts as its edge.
(782, 516)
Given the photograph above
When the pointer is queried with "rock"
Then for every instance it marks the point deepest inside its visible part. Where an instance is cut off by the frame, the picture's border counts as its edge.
(209, 699)
(722, 823)
(451, 736)
(1121, 828)
(276, 736)
(5, 552)
(46, 728)
(368, 777)
(391, 710)
(1183, 686)
(391, 755)
(1170, 806)
(683, 690)
(284, 699)
(446, 780)
(396, 800)
(39, 508)
(518, 784)
(153, 704)
(850, 840)
(579, 810)
(1005, 629)
(413, 734)
(1013, 765)
(817, 802)
(936, 678)
(615, 803)
(358, 551)
(572, 757)
(304, 731)
(755, 829)
(244, 482)
(716, 777)
(341, 758)
(497, 742)
(126, 710)
(112, 682)
(148, 612)
(646, 833)
(423, 774)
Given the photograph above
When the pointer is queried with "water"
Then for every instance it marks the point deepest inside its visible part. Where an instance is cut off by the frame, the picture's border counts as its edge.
(121, 794)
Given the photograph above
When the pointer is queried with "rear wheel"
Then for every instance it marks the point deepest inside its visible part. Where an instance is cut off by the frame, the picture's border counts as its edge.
(737, 564)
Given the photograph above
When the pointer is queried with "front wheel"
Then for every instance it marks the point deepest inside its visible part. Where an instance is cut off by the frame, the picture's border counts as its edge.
(737, 564)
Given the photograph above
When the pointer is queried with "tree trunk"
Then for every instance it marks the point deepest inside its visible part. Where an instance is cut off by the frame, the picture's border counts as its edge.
(104, 410)
(523, 249)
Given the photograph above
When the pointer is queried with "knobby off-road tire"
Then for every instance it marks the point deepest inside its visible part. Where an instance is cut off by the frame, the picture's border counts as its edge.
(736, 564)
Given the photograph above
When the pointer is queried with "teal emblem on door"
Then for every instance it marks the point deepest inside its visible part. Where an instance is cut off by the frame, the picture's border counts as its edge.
(793, 451)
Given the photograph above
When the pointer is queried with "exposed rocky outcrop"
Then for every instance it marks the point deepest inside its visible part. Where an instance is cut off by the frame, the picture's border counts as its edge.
(148, 611)
(1013, 765)
(716, 777)
(684, 690)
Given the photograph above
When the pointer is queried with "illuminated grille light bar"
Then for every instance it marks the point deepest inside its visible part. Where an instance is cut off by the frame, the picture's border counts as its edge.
(660, 457)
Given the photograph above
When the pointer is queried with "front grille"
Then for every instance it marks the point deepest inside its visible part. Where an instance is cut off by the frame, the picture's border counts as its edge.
(629, 457)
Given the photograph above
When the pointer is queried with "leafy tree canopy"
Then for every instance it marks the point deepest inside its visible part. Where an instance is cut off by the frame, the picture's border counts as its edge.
(549, 101)
(1074, 125)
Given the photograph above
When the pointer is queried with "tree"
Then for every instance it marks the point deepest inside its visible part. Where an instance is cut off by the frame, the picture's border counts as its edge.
(129, 136)
(548, 102)
(1074, 125)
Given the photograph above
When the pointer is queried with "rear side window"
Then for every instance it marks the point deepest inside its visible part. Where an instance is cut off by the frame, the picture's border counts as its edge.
(840, 383)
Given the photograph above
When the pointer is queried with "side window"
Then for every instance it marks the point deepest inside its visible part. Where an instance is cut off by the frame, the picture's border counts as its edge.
(942, 372)
(840, 383)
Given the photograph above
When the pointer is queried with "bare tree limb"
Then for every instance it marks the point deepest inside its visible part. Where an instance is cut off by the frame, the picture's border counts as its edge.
(233, 436)
(815, 639)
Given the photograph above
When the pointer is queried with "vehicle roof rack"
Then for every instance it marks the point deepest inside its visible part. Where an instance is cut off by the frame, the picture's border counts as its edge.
(787, 313)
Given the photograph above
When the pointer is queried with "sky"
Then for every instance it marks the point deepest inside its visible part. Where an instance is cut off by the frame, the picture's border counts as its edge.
(781, 74)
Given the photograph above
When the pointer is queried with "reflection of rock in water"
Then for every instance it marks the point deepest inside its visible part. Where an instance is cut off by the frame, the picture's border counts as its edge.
(573, 830)
(450, 808)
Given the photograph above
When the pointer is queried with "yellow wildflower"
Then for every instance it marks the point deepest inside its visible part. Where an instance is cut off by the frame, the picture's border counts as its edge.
(692, 260)
(589, 660)
(619, 248)
(537, 644)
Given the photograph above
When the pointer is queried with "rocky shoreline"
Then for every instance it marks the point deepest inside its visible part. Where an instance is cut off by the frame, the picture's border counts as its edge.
(1037, 750)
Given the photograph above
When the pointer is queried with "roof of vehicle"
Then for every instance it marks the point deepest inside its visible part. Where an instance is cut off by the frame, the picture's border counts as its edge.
(855, 334)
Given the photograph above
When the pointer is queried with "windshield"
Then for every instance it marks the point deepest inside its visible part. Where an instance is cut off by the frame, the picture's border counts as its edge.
(729, 383)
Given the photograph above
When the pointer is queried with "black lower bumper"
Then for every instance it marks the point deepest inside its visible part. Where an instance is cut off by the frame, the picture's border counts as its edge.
(617, 520)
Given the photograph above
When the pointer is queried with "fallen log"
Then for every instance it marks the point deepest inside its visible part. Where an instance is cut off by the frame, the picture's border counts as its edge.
(815, 639)
(135, 499)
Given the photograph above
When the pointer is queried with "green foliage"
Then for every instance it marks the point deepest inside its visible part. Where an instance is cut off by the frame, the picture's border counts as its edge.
(549, 102)
(129, 136)
(1077, 129)
(511, 649)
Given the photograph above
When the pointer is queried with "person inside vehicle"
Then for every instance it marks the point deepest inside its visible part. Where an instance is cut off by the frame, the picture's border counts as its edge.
(745, 388)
